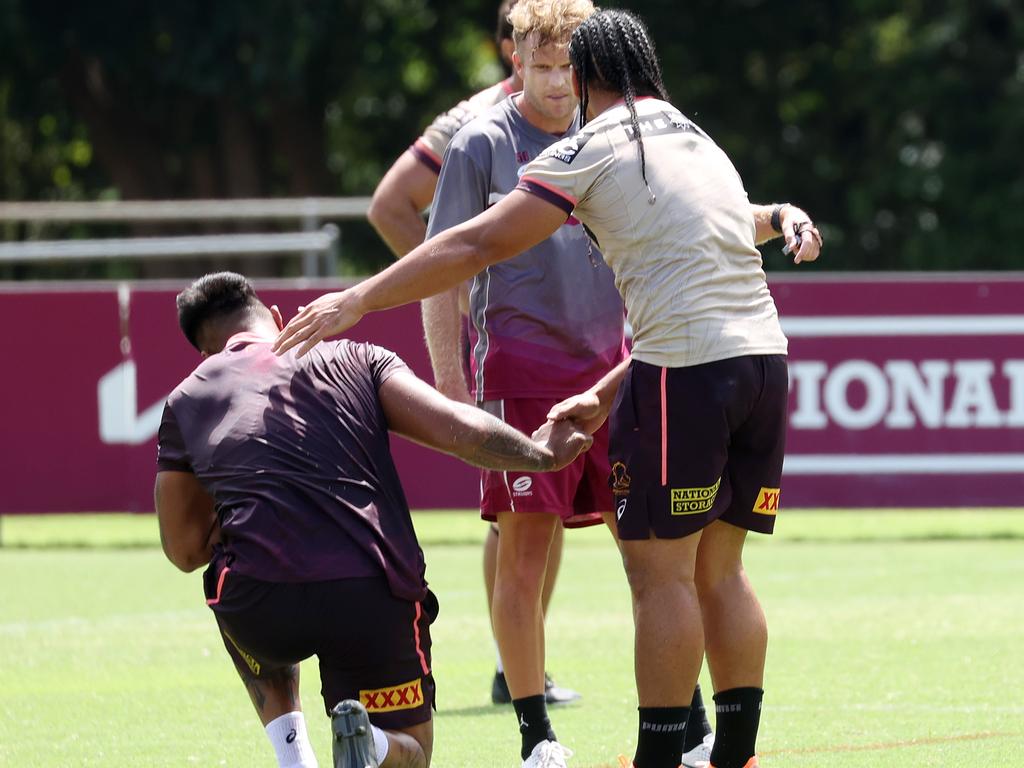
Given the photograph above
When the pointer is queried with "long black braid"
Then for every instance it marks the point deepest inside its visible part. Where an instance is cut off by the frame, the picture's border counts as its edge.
(612, 51)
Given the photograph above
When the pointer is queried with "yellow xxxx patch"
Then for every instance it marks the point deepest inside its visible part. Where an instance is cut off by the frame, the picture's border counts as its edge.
(767, 501)
(254, 666)
(694, 501)
(403, 696)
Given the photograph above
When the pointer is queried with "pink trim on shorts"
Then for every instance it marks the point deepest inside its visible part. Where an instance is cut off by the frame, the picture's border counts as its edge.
(416, 634)
(664, 430)
(220, 587)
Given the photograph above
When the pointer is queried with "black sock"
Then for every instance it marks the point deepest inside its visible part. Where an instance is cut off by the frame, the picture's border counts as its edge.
(534, 725)
(697, 725)
(659, 742)
(737, 714)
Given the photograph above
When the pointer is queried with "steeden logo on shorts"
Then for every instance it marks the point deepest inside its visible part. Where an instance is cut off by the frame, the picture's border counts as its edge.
(402, 696)
(694, 501)
(521, 486)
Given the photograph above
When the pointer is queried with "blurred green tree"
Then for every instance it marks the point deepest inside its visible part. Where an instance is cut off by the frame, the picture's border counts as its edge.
(894, 124)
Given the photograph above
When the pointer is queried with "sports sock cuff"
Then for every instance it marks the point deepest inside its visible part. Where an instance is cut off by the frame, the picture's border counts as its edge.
(534, 724)
(381, 745)
(734, 697)
(290, 740)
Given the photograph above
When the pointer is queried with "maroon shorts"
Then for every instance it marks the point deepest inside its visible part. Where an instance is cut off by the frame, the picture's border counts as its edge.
(371, 646)
(697, 444)
(577, 493)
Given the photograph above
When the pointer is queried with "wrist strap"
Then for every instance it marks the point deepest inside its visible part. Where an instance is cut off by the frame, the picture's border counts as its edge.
(777, 217)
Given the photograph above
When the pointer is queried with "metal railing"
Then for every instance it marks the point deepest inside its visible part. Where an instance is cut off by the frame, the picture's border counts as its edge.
(313, 240)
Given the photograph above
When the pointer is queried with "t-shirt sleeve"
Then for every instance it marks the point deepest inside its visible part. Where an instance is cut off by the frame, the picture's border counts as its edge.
(171, 453)
(382, 363)
(462, 188)
(430, 147)
(567, 172)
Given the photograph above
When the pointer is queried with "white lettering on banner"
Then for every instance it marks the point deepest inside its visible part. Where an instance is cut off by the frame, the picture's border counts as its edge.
(875, 384)
(902, 394)
(920, 384)
(120, 421)
(973, 396)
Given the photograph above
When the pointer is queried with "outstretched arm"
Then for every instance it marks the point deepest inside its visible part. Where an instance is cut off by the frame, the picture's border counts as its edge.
(420, 413)
(518, 222)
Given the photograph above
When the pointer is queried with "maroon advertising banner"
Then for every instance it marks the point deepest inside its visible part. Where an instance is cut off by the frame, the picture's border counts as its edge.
(905, 391)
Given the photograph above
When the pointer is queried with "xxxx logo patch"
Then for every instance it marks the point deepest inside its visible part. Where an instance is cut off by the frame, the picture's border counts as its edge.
(767, 501)
(403, 696)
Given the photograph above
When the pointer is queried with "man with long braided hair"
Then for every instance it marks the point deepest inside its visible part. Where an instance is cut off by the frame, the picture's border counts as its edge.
(698, 416)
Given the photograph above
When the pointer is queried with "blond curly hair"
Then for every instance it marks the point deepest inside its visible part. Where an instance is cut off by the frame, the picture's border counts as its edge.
(553, 21)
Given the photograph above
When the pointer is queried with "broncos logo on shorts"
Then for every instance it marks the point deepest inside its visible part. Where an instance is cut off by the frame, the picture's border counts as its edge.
(619, 479)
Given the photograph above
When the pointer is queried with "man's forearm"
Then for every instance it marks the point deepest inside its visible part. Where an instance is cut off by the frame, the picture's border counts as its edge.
(608, 386)
(763, 230)
(442, 329)
(489, 443)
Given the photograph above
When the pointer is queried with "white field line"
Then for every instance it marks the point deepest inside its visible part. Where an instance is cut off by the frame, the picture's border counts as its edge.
(905, 464)
(902, 325)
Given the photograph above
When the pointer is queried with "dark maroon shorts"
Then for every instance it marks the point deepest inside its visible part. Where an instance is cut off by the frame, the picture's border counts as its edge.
(697, 444)
(371, 646)
(578, 493)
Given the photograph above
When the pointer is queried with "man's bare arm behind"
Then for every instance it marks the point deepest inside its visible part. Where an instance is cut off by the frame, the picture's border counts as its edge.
(442, 330)
(187, 519)
(419, 412)
(396, 211)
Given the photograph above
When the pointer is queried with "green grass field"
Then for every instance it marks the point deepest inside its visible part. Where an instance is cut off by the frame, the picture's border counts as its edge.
(897, 639)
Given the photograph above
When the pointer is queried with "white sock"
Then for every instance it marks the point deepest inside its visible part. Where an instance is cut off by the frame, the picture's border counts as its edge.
(290, 740)
(380, 743)
(497, 655)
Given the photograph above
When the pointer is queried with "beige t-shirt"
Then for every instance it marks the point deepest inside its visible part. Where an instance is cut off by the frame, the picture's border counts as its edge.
(685, 264)
(429, 148)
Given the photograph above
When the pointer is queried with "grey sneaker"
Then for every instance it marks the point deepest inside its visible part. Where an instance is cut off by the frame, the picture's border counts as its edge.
(553, 693)
(353, 740)
(699, 756)
(556, 694)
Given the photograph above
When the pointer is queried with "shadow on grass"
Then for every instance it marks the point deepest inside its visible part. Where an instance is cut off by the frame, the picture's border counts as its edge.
(442, 543)
(909, 538)
(476, 711)
(59, 546)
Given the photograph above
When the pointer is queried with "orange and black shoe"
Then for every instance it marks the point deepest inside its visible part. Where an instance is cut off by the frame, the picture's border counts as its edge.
(751, 763)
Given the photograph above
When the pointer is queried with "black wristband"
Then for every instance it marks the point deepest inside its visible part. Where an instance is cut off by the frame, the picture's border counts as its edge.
(777, 217)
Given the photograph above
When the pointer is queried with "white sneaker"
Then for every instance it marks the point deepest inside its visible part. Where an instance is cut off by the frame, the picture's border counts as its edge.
(699, 756)
(547, 754)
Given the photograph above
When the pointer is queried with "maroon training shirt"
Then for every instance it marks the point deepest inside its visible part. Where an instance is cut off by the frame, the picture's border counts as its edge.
(296, 454)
